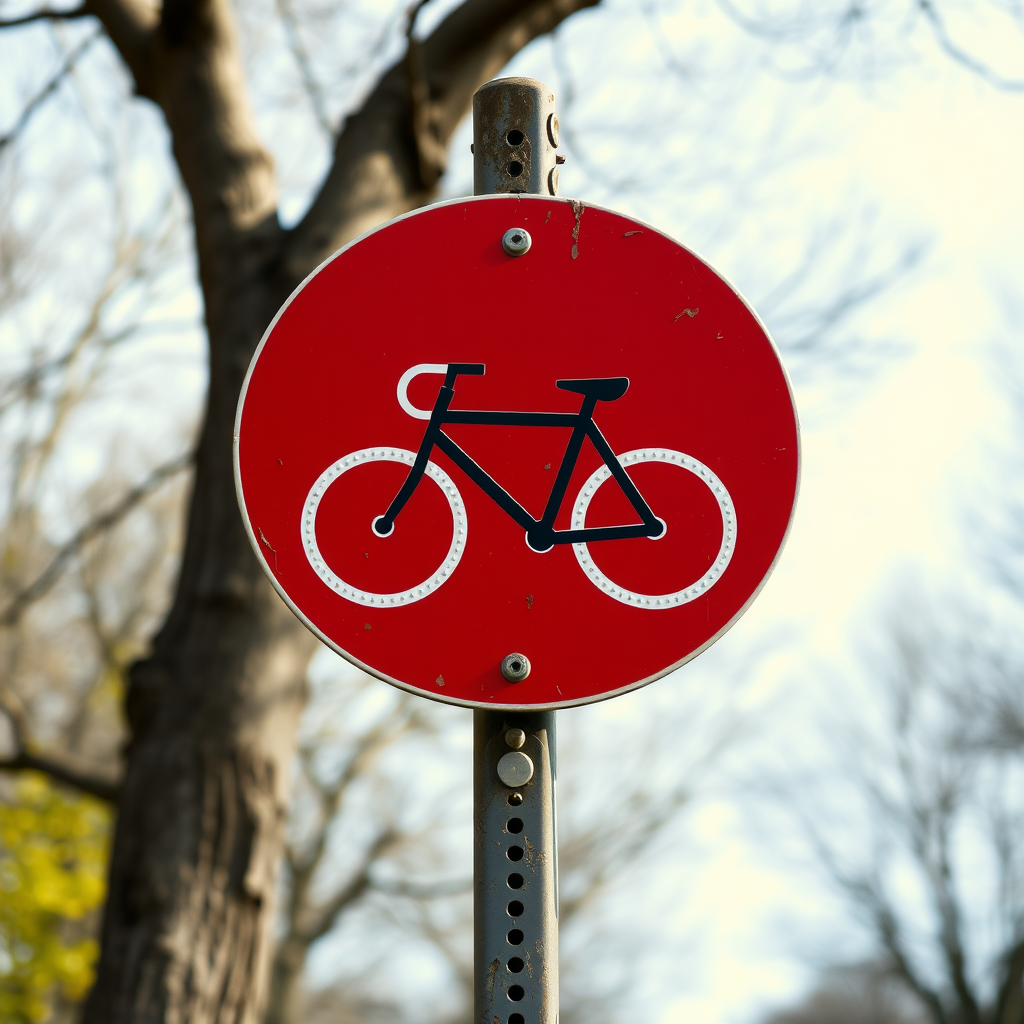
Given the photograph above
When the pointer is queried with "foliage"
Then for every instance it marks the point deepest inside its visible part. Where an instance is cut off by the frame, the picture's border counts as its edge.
(53, 855)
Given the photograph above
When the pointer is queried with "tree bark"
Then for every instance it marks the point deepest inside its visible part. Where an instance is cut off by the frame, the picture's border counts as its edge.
(186, 935)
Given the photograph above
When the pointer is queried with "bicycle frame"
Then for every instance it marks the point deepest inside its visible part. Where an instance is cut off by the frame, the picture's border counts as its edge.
(541, 534)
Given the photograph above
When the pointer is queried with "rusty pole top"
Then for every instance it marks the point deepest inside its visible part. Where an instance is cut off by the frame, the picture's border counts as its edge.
(515, 135)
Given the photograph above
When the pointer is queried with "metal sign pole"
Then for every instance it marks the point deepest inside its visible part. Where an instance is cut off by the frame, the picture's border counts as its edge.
(515, 863)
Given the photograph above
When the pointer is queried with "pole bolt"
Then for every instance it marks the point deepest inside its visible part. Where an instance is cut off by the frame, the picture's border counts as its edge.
(515, 769)
(515, 667)
(516, 242)
(515, 738)
(553, 130)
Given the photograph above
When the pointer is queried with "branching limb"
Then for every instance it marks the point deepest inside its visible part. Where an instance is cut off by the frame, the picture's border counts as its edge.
(888, 930)
(303, 864)
(1010, 999)
(927, 814)
(63, 771)
(132, 26)
(94, 785)
(867, 893)
(305, 66)
(46, 14)
(431, 153)
(326, 916)
(960, 55)
(808, 333)
(803, 28)
(17, 606)
(50, 88)
(423, 890)
(378, 166)
(952, 928)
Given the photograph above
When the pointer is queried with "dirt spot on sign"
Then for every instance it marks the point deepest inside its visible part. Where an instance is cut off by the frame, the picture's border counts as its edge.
(577, 208)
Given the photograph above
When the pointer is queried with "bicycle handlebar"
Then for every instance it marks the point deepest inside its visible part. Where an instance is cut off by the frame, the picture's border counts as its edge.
(450, 371)
(469, 369)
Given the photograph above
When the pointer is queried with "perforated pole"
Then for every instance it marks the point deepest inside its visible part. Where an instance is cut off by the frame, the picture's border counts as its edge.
(515, 864)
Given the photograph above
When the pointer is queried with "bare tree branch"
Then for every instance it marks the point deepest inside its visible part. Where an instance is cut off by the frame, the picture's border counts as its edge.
(431, 153)
(95, 785)
(302, 61)
(326, 915)
(64, 771)
(50, 88)
(422, 890)
(960, 55)
(889, 933)
(17, 606)
(376, 172)
(46, 14)
(1010, 999)
(803, 27)
(867, 893)
(131, 25)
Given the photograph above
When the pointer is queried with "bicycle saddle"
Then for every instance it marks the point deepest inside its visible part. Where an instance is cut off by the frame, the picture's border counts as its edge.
(604, 389)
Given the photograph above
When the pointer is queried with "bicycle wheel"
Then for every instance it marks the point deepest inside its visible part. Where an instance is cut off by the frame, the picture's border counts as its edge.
(692, 590)
(361, 595)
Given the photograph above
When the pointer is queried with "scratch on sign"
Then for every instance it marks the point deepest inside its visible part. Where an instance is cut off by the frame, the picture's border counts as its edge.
(439, 680)
(626, 234)
(577, 208)
(529, 601)
(272, 550)
(691, 313)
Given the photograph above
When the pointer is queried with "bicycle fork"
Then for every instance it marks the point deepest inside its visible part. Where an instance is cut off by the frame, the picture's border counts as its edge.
(384, 525)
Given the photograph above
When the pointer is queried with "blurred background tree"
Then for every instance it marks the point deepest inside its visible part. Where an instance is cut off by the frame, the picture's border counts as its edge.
(167, 176)
(914, 816)
(916, 820)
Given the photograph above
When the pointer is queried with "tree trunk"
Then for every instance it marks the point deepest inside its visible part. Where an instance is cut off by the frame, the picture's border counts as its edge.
(213, 713)
(284, 1006)
(186, 935)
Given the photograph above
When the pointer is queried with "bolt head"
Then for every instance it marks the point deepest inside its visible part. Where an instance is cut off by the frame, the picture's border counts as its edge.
(515, 738)
(553, 130)
(516, 241)
(515, 769)
(515, 667)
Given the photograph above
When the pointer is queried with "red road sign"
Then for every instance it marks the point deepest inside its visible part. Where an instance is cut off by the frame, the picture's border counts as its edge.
(586, 454)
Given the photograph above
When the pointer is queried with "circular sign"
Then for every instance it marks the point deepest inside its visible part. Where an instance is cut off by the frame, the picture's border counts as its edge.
(517, 475)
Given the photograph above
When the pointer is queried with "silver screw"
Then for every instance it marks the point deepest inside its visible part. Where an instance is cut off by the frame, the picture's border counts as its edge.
(515, 769)
(515, 738)
(516, 241)
(515, 667)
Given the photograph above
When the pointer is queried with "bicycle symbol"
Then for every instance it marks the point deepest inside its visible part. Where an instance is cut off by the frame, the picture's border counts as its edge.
(541, 534)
